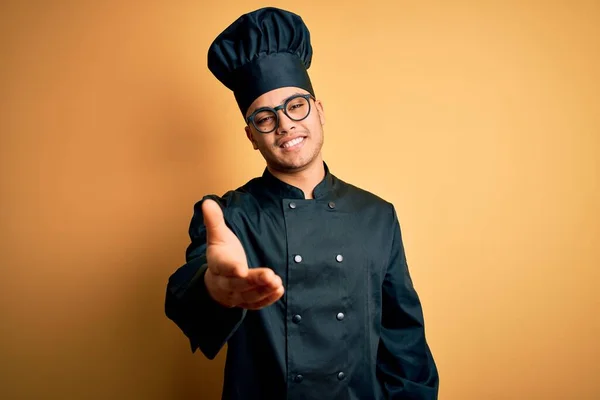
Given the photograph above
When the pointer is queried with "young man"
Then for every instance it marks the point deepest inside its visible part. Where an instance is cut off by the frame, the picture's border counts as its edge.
(302, 275)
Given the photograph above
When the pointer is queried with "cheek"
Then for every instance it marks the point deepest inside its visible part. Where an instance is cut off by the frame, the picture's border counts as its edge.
(315, 129)
(315, 124)
(264, 143)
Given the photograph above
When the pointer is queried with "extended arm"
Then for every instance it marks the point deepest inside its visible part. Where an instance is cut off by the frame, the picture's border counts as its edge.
(206, 323)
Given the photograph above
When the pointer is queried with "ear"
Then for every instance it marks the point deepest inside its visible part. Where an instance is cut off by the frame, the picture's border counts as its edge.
(321, 111)
(250, 137)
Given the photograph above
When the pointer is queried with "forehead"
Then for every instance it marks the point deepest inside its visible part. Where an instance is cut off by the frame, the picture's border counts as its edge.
(274, 98)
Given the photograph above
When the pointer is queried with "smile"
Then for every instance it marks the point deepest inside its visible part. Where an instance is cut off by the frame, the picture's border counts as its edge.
(292, 143)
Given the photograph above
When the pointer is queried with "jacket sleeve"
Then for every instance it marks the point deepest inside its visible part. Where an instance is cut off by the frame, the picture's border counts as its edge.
(207, 324)
(405, 366)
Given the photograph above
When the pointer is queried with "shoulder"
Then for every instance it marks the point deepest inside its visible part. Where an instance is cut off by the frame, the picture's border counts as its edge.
(231, 202)
(233, 198)
(363, 199)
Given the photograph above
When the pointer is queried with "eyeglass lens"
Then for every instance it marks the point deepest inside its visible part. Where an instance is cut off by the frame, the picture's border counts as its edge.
(296, 109)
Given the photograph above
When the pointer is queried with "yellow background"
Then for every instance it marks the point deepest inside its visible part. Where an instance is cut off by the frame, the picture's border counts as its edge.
(480, 121)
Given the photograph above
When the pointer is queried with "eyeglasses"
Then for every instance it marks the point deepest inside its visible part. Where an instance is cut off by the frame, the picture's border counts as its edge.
(266, 119)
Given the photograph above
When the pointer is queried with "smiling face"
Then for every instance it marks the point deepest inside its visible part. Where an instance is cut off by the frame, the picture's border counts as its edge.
(294, 145)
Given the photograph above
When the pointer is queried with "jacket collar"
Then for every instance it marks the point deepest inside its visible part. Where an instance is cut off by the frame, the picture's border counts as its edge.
(284, 190)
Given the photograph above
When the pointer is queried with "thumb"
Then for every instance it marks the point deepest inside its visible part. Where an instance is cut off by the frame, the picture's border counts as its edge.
(214, 221)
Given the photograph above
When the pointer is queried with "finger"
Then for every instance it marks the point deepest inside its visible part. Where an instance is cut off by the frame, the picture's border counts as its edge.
(258, 295)
(256, 277)
(214, 221)
(255, 295)
(263, 277)
(235, 284)
(266, 301)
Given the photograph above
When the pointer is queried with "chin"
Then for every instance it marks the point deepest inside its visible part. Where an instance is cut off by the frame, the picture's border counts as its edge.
(293, 166)
(290, 167)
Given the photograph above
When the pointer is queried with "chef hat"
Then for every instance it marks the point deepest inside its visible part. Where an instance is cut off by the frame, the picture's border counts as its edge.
(263, 50)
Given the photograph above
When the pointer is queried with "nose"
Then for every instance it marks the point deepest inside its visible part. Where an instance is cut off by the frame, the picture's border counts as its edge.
(285, 123)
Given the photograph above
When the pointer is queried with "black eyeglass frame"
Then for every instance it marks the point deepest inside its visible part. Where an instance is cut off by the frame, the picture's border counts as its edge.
(250, 119)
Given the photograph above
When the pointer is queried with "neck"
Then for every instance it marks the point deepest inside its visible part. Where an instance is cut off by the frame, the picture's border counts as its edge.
(305, 179)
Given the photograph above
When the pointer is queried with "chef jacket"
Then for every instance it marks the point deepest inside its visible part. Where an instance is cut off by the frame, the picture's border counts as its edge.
(350, 323)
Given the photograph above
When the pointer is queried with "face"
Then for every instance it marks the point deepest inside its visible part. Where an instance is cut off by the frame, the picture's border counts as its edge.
(294, 145)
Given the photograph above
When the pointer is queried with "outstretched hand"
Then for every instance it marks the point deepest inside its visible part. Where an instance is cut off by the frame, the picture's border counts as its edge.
(228, 279)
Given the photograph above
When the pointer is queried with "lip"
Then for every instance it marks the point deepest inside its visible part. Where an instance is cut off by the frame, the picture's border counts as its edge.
(284, 141)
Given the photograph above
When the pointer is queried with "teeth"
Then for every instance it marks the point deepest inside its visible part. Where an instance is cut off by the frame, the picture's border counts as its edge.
(292, 142)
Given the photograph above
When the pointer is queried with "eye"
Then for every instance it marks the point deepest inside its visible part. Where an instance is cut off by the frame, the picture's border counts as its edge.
(265, 120)
(296, 104)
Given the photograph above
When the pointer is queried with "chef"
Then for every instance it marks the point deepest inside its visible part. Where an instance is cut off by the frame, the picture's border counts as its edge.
(302, 275)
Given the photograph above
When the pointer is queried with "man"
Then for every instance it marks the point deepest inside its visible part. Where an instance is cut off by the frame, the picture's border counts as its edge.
(302, 275)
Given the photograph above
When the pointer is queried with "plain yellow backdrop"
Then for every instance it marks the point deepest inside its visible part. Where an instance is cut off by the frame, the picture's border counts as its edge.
(480, 121)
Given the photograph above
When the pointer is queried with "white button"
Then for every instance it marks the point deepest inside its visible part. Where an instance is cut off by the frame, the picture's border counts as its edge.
(339, 258)
(298, 258)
